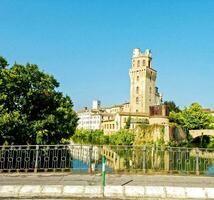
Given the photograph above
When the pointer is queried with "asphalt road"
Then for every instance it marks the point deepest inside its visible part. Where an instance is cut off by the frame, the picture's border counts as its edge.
(114, 179)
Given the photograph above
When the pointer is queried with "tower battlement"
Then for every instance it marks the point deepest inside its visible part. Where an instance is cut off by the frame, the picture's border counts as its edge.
(138, 53)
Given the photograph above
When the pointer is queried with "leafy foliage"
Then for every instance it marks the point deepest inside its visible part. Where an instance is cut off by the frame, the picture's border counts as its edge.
(144, 134)
(122, 137)
(128, 123)
(211, 142)
(192, 118)
(3, 62)
(172, 106)
(31, 110)
(83, 136)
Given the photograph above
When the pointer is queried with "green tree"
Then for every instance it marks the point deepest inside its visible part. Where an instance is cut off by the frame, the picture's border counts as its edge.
(122, 137)
(192, 117)
(83, 136)
(3, 62)
(128, 123)
(172, 106)
(32, 111)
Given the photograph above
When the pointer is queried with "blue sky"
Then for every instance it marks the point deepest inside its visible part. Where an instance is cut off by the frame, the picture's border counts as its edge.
(87, 45)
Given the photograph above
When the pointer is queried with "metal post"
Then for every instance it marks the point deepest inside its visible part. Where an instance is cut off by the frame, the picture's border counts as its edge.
(37, 156)
(153, 157)
(170, 160)
(103, 170)
(144, 159)
(90, 159)
(197, 162)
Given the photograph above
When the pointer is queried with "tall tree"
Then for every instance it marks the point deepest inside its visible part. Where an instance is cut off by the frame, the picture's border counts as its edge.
(3, 62)
(193, 117)
(128, 123)
(172, 106)
(32, 111)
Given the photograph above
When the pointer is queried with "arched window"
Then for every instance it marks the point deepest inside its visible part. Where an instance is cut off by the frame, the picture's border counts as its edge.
(137, 90)
(137, 100)
(138, 63)
(144, 62)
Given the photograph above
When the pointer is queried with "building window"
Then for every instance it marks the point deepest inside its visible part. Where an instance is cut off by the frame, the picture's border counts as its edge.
(137, 78)
(137, 90)
(137, 100)
(144, 62)
(138, 63)
(150, 78)
(136, 110)
(150, 90)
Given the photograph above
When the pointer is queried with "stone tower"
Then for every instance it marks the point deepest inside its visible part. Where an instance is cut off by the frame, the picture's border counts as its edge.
(143, 92)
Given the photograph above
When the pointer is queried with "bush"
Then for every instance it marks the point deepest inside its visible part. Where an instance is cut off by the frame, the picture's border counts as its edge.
(122, 137)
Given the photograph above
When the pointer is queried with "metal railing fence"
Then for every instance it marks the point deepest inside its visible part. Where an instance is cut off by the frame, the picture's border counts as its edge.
(120, 159)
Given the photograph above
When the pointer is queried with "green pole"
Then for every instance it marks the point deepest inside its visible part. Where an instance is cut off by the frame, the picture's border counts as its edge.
(103, 170)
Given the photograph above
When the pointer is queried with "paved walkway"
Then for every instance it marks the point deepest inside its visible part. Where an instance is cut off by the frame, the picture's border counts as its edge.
(84, 180)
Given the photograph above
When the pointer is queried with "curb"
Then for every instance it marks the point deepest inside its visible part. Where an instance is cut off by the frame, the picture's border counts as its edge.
(120, 192)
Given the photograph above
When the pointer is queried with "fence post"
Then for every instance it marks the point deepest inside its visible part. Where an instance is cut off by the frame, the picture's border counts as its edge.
(37, 156)
(90, 159)
(197, 162)
(153, 157)
(103, 170)
(144, 159)
(170, 160)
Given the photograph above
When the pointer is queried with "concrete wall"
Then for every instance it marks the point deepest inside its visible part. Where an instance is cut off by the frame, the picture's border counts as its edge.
(120, 192)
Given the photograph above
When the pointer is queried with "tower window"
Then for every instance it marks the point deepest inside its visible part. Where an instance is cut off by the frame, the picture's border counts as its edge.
(133, 63)
(138, 63)
(137, 78)
(150, 90)
(137, 100)
(136, 110)
(144, 62)
(137, 90)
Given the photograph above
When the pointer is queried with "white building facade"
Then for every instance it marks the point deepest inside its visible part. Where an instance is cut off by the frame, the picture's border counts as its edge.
(90, 119)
